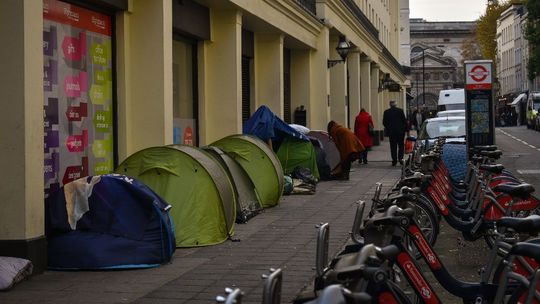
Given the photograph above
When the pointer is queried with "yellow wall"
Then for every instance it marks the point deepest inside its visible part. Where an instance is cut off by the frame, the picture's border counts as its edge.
(144, 60)
(21, 134)
(353, 62)
(375, 100)
(269, 72)
(318, 112)
(220, 100)
(338, 86)
(365, 85)
(300, 79)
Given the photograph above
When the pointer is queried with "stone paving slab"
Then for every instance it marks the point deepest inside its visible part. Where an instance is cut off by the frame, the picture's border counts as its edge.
(280, 237)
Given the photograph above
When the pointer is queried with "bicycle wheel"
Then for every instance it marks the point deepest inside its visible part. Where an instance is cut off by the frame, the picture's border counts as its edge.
(426, 219)
(428, 224)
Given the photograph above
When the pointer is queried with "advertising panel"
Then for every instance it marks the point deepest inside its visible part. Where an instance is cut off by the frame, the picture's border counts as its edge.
(77, 85)
(479, 103)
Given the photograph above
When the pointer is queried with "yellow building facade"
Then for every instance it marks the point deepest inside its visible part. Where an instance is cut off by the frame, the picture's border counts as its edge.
(187, 71)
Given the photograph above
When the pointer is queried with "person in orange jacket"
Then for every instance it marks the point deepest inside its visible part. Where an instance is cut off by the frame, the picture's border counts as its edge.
(349, 147)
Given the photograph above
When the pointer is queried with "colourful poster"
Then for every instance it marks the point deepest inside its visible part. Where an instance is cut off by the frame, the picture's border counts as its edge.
(77, 85)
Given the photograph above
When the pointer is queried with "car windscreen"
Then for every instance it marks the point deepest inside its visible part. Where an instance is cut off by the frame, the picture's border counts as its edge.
(432, 129)
(536, 104)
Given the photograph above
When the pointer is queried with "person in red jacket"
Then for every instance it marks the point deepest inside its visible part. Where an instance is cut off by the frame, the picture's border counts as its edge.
(363, 129)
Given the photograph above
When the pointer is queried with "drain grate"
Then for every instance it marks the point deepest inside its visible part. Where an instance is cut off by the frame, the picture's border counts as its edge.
(525, 172)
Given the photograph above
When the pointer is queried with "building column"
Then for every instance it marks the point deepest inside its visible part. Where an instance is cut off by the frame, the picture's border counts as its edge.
(375, 103)
(300, 80)
(338, 87)
(318, 111)
(21, 135)
(220, 80)
(144, 60)
(353, 62)
(365, 85)
(269, 72)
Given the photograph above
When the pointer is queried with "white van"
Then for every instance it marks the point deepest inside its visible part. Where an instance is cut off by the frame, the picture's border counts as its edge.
(451, 100)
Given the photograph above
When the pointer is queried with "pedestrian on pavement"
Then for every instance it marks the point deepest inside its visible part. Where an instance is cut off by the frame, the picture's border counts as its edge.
(395, 125)
(414, 121)
(349, 149)
(363, 129)
(419, 118)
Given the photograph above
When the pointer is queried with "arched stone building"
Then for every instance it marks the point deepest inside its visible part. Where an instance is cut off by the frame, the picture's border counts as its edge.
(436, 61)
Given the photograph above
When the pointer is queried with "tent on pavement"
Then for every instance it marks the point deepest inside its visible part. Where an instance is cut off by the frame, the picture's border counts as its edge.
(265, 125)
(196, 186)
(294, 153)
(329, 147)
(247, 202)
(107, 222)
(259, 162)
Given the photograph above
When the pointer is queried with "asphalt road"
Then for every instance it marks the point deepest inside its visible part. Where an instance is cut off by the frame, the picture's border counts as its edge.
(463, 259)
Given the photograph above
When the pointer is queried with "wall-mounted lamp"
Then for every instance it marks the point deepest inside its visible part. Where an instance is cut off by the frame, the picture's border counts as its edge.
(342, 49)
(384, 82)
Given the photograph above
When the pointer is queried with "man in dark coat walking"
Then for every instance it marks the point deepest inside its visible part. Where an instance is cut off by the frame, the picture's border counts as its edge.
(395, 124)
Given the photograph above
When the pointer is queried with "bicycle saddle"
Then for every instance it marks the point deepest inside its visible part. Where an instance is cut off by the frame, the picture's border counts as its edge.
(515, 190)
(429, 156)
(496, 169)
(337, 294)
(526, 249)
(491, 154)
(529, 224)
(477, 159)
(484, 148)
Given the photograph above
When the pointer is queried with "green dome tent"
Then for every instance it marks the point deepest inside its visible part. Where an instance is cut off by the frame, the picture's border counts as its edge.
(294, 153)
(259, 162)
(247, 202)
(194, 184)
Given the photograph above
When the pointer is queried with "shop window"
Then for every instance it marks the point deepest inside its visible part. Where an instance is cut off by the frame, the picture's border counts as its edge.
(185, 104)
(78, 93)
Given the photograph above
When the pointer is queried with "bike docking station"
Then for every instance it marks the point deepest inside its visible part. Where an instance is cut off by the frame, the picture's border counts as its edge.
(479, 105)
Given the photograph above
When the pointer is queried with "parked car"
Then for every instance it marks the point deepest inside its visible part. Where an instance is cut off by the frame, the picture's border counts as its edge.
(452, 127)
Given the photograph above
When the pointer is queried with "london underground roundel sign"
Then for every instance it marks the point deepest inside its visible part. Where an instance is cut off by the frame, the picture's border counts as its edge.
(478, 75)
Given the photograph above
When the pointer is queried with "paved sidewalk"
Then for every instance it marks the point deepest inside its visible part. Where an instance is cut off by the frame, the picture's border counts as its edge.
(283, 237)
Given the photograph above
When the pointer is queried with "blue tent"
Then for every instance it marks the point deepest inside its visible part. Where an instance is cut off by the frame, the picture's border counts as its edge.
(107, 222)
(266, 125)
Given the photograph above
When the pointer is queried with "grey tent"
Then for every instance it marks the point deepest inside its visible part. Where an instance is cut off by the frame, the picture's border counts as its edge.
(247, 202)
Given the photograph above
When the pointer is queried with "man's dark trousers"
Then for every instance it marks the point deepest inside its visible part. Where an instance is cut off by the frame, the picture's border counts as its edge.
(396, 142)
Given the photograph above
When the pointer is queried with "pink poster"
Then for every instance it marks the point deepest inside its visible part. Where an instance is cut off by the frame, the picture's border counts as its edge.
(77, 86)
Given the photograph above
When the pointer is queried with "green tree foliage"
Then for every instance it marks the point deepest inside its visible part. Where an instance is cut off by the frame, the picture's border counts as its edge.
(486, 29)
(532, 33)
